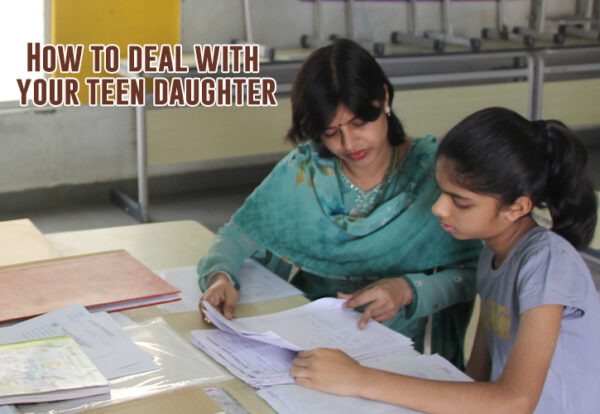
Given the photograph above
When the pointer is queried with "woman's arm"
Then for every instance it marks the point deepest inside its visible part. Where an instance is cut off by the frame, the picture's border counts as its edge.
(516, 391)
(224, 257)
(422, 293)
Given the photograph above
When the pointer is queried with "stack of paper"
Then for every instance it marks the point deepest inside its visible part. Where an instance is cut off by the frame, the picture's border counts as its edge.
(260, 349)
(293, 399)
(47, 370)
(100, 337)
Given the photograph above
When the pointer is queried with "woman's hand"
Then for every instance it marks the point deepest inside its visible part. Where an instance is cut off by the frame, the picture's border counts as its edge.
(327, 370)
(221, 294)
(386, 297)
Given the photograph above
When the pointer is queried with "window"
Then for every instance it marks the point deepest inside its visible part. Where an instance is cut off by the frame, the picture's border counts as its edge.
(21, 21)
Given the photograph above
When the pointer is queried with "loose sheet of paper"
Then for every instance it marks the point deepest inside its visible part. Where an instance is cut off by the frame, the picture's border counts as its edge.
(263, 358)
(100, 337)
(322, 323)
(288, 399)
(257, 284)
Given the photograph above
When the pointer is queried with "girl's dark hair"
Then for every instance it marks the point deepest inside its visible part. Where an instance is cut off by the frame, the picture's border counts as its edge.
(496, 151)
(341, 73)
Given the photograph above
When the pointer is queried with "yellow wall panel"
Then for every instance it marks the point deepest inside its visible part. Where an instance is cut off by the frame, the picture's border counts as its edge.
(576, 102)
(182, 135)
(435, 111)
(119, 22)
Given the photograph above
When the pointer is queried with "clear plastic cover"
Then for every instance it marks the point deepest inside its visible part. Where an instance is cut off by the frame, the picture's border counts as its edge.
(181, 365)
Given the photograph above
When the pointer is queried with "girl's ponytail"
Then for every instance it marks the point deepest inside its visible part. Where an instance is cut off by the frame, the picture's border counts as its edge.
(568, 193)
(498, 152)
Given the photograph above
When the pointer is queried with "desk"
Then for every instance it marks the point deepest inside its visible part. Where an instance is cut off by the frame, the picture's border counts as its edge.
(21, 241)
(160, 246)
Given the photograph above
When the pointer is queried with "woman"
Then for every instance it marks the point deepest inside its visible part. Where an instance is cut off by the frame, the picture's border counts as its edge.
(350, 207)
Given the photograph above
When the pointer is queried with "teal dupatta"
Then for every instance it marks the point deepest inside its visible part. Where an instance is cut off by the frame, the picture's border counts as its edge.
(298, 213)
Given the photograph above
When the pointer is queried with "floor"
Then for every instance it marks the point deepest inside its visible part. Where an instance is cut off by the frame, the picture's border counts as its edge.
(211, 208)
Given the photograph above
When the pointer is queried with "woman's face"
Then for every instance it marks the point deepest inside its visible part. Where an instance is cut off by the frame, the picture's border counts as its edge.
(357, 143)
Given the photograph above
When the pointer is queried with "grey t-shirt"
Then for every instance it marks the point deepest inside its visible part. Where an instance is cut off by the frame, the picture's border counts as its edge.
(543, 268)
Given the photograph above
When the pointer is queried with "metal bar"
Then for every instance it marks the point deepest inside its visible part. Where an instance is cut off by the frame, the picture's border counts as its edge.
(587, 13)
(447, 18)
(538, 87)
(537, 16)
(532, 92)
(581, 67)
(453, 57)
(248, 22)
(350, 33)
(459, 76)
(413, 17)
(502, 15)
(318, 21)
(398, 37)
(142, 161)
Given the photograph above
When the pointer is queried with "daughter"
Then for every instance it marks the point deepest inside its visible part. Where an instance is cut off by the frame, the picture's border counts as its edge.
(537, 347)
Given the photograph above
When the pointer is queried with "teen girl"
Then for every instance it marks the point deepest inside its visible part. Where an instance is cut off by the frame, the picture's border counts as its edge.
(537, 348)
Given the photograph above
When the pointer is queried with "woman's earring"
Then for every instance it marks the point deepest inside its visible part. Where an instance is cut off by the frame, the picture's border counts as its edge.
(388, 111)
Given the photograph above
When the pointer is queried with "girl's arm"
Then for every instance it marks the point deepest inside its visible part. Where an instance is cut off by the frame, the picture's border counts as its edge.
(516, 391)
(480, 363)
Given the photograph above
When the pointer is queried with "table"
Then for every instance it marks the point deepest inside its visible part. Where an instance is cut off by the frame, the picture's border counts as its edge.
(21, 241)
(160, 246)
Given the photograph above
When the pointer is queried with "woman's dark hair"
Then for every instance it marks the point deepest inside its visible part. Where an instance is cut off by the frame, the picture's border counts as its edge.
(342, 73)
(497, 152)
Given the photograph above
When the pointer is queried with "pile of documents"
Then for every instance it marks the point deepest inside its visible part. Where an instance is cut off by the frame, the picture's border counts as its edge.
(68, 353)
(294, 399)
(260, 349)
(47, 370)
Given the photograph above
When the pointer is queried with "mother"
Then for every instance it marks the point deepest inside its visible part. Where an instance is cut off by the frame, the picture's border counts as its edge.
(349, 210)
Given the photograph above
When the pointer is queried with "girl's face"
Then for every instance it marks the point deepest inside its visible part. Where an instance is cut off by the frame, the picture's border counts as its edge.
(359, 144)
(463, 213)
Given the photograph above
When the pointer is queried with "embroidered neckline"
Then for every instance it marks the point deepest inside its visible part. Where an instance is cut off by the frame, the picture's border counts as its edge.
(365, 201)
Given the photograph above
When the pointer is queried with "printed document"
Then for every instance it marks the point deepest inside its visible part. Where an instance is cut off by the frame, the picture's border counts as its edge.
(260, 349)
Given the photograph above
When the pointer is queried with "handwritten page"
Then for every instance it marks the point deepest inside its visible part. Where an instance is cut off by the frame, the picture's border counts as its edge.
(100, 337)
(322, 323)
(262, 357)
(257, 284)
(288, 399)
(256, 363)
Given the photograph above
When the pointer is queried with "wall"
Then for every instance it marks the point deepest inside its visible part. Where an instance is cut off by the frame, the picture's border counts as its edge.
(46, 148)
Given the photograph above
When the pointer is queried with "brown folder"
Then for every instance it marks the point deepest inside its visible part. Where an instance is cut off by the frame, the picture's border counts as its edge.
(103, 281)
(182, 401)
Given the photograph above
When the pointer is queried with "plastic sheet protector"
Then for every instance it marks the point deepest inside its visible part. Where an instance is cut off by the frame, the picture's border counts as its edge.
(180, 365)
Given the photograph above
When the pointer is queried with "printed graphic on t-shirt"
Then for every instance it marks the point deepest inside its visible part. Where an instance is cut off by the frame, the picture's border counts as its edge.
(496, 318)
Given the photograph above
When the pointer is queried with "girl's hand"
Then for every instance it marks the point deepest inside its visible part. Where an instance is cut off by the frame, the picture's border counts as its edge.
(327, 370)
(221, 294)
(386, 297)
